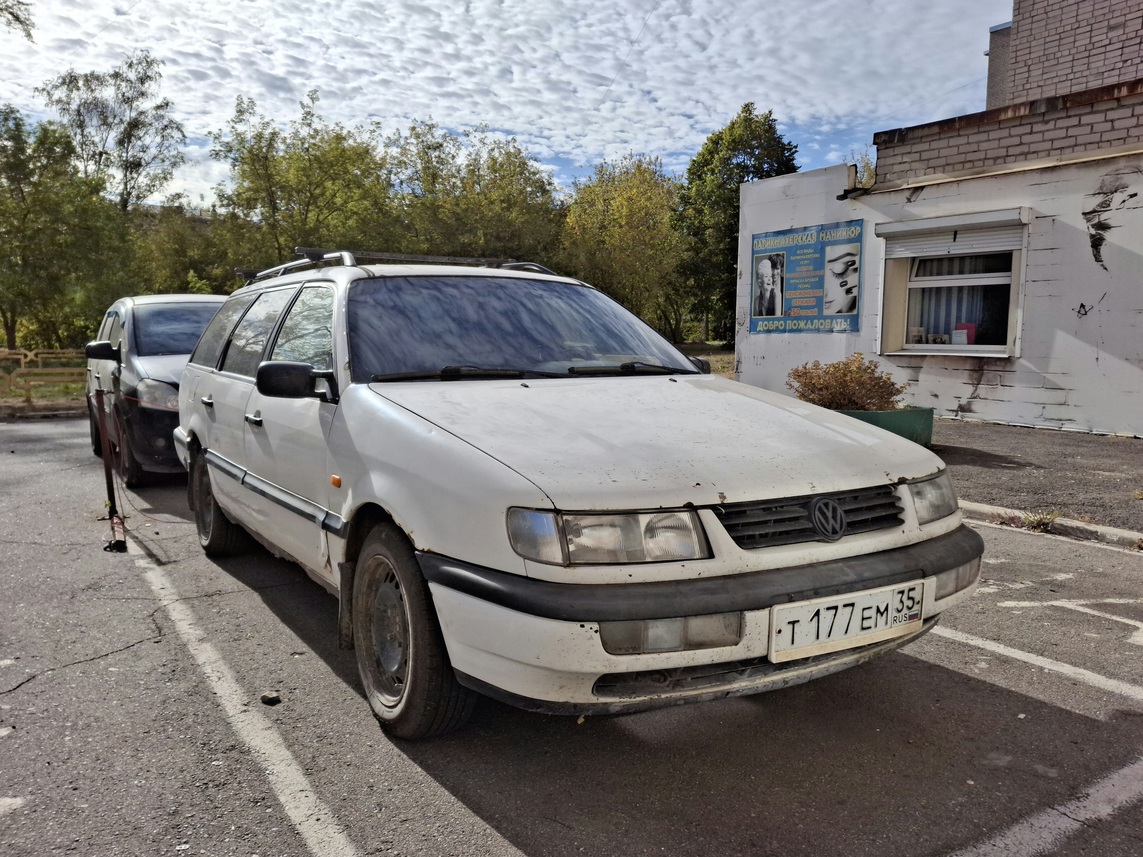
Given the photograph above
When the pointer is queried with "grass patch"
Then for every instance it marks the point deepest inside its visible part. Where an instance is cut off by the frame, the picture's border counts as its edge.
(1037, 522)
(41, 393)
(721, 359)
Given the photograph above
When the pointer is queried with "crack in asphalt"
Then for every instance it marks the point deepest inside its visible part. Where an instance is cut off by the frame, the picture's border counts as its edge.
(154, 639)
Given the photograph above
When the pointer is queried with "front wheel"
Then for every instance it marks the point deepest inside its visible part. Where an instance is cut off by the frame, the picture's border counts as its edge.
(400, 651)
(217, 534)
(128, 466)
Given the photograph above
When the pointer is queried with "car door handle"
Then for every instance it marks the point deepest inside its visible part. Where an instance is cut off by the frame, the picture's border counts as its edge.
(253, 419)
(207, 401)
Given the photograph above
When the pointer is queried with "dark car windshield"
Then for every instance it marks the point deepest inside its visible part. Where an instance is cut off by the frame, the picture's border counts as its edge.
(478, 327)
(170, 328)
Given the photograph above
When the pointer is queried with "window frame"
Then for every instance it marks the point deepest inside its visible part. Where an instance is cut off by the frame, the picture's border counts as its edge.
(981, 233)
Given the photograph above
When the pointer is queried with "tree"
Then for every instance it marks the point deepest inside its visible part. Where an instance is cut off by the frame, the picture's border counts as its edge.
(17, 15)
(866, 163)
(749, 148)
(57, 234)
(178, 249)
(472, 194)
(618, 236)
(506, 205)
(310, 184)
(123, 132)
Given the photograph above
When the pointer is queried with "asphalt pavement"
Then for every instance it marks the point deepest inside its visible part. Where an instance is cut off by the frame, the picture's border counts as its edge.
(1075, 483)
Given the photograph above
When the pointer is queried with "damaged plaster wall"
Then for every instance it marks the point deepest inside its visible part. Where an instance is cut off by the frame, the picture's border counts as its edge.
(1080, 359)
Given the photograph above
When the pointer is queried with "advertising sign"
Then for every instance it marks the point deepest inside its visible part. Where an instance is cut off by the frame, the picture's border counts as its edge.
(806, 280)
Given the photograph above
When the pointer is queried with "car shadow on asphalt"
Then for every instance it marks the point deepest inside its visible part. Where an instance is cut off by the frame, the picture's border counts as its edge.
(967, 456)
(896, 757)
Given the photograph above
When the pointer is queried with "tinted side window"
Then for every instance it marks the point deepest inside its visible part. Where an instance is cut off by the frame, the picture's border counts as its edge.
(105, 328)
(115, 332)
(307, 333)
(209, 346)
(250, 336)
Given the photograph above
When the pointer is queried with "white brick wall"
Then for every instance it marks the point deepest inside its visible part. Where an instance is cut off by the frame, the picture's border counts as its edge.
(1077, 370)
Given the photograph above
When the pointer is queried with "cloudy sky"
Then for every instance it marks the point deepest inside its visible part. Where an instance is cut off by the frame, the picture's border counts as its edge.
(575, 81)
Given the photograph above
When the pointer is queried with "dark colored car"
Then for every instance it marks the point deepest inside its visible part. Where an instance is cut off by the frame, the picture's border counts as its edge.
(137, 360)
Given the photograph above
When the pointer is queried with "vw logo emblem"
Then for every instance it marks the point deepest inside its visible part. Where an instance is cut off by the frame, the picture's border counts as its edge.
(828, 518)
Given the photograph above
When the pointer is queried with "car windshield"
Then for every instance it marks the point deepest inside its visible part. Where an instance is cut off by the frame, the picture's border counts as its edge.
(456, 327)
(170, 328)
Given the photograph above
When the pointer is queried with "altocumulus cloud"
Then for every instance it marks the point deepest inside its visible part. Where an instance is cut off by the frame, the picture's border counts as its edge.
(574, 82)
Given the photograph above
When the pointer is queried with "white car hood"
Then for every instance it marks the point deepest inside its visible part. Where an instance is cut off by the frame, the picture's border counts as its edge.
(651, 442)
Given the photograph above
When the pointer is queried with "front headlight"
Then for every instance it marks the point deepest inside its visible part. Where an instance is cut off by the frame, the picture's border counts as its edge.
(626, 537)
(156, 394)
(933, 498)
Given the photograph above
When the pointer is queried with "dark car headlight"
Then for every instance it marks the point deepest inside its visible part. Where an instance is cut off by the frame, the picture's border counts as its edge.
(157, 394)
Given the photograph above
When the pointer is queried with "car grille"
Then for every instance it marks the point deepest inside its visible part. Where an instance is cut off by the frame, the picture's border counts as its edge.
(769, 523)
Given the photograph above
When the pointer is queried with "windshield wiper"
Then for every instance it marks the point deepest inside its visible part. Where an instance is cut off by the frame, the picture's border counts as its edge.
(634, 367)
(462, 373)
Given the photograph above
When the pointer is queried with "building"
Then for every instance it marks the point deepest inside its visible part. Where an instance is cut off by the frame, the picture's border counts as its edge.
(996, 264)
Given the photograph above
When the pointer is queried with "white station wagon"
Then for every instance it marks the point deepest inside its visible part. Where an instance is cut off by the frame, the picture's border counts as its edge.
(516, 488)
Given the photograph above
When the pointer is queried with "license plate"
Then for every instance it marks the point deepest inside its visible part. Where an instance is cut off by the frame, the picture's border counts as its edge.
(839, 622)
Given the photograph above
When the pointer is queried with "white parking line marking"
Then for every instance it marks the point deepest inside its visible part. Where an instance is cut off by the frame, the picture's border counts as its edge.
(10, 804)
(1132, 691)
(1043, 831)
(309, 815)
(1081, 606)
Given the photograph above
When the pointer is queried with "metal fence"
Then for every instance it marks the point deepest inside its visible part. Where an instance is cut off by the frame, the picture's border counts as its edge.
(29, 372)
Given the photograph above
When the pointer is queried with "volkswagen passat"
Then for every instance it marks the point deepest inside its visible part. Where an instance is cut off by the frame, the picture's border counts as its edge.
(516, 488)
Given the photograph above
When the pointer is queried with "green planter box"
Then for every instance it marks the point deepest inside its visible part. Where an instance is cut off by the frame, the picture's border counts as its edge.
(915, 424)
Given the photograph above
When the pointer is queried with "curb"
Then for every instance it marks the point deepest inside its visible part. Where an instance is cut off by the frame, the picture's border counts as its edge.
(14, 414)
(1127, 539)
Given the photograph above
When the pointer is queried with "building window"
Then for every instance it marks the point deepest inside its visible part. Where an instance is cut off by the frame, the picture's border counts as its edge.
(953, 284)
(959, 300)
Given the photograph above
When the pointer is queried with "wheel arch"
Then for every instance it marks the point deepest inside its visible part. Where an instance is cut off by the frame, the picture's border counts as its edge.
(364, 519)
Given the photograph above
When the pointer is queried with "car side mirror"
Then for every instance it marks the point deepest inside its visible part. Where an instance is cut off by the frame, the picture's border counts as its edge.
(101, 350)
(702, 365)
(284, 379)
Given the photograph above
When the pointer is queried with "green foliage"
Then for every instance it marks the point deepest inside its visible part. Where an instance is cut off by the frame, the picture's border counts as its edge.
(17, 15)
(60, 237)
(618, 236)
(472, 194)
(176, 246)
(123, 133)
(313, 184)
(852, 384)
(866, 164)
(749, 148)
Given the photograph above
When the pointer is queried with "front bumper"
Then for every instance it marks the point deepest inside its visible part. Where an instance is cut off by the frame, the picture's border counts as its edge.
(151, 431)
(535, 644)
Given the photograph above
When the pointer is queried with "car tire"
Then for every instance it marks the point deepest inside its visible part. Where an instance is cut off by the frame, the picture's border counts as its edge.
(96, 437)
(217, 534)
(128, 466)
(401, 655)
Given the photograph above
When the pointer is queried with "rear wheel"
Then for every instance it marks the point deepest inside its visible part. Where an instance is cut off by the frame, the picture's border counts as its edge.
(217, 534)
(401, 654)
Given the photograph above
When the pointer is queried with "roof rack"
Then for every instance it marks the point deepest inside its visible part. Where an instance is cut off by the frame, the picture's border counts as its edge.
(314, 257)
